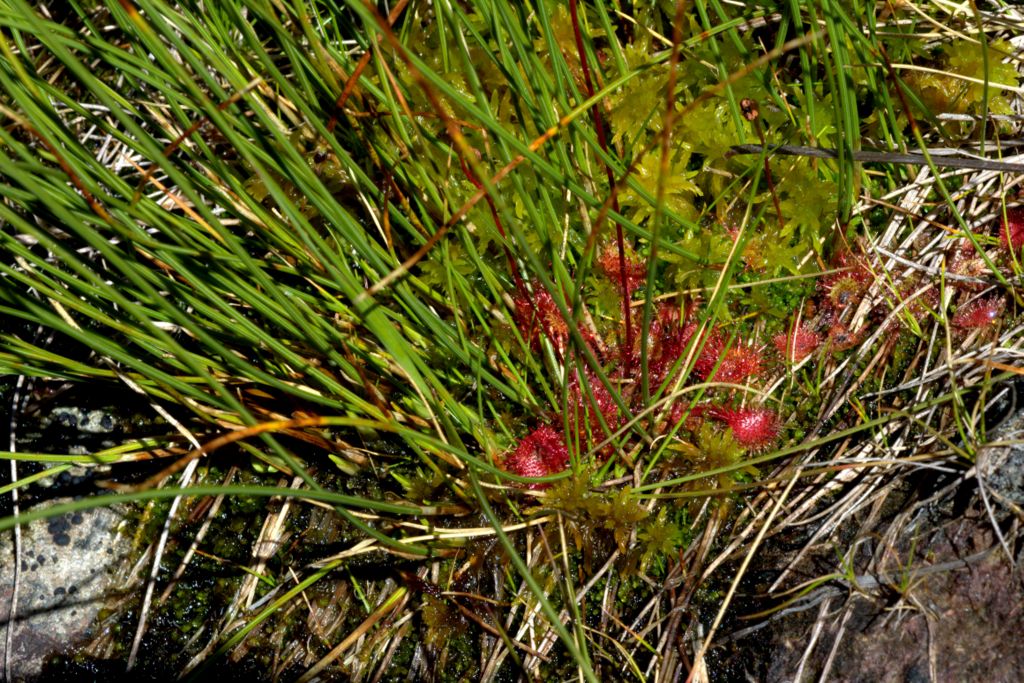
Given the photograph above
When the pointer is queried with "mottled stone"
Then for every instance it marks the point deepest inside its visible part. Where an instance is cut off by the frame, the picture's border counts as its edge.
(79, 567)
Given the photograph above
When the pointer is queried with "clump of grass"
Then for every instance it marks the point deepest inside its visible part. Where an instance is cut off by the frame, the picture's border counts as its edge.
(496, 287)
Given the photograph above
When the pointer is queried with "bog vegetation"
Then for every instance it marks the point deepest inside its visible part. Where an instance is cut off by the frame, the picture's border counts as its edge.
(523, 325)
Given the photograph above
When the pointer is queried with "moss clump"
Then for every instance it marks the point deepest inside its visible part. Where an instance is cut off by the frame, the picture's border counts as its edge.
(659, 539)
(592, 513)
(447, 632)
(961, 88)
(443, 622)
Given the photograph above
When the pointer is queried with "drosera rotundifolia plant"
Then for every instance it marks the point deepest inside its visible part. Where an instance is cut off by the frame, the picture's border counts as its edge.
(496, 341)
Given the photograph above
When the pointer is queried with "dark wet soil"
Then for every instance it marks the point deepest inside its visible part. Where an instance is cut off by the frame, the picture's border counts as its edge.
(962, 622)
(936, 593)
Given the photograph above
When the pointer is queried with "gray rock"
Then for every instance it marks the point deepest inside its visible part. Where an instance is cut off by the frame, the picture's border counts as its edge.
(72, 565)
(1001, 462)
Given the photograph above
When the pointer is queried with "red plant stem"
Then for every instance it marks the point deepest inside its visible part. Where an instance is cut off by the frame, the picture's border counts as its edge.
(768, 175)
(524, 295)
(602, 140)
(513, 269)
(665, 144)
(353, 79)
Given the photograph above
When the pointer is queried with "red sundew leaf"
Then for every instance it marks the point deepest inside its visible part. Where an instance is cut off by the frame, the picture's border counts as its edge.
(526, 465)
(668, 340)
(840, 290)
(844, 292)
(536, 314)
(963, 253)
(856, 267)
(635, 272)
(551, 445)
(966, 261)
(694, 415)
(541, 453)
(848, 285)
(841, 337)
(798, 344)
(978, 314)
(586, 413)
(752, 428)
(1011, 232)
(711, 345)
(739, 362)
